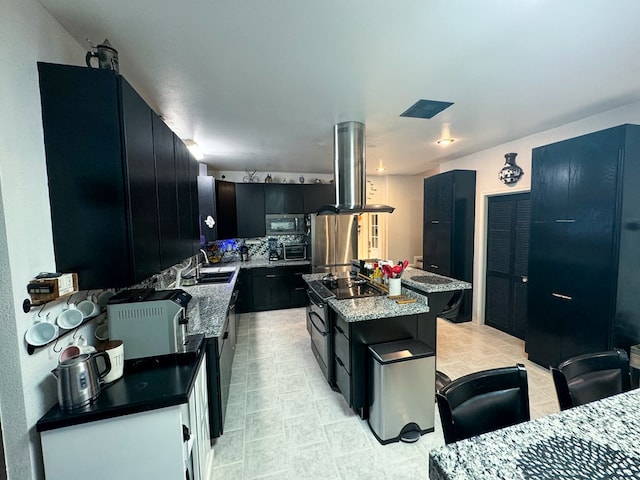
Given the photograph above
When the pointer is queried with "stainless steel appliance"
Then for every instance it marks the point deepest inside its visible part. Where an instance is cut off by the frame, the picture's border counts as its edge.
(319, 315)
(79, 379)
(284, 224)
(349, 171)
(334, 242)
(294, 251)
(151, 323)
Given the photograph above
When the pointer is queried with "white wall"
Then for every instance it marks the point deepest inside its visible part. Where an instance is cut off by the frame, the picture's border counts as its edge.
(276, 177)
(27, 34)
(489, 162)
(404, 225)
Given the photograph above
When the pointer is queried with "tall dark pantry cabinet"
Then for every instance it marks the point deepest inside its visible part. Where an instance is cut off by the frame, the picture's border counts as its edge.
(448, 229)
(584, 257)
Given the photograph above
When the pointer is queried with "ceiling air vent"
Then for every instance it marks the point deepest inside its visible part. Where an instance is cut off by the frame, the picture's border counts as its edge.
(425, 109)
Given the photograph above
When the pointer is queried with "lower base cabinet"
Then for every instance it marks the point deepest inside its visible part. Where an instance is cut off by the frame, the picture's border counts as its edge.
(351, 355)
(164, 444)
(274, 288)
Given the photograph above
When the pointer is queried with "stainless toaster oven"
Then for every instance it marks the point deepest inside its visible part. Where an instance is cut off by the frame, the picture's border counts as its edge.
(294, 251)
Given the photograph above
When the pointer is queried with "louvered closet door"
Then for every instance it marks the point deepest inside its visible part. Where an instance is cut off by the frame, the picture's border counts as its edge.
(507, 259)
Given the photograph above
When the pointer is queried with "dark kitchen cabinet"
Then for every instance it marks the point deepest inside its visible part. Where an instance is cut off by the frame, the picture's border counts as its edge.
(280, 287)
(316, 195)
(270, 288)
(283, 198)
(186, 173)
(113, 219)
(250, 207)
(220, 355)
(245, 291)
(351, 356)
(100, 165)
(207, 208)
(226, 209)
(448, 229)
(584, 254)
(170, 252)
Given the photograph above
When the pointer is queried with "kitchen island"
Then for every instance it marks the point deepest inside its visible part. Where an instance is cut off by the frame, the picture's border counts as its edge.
(352, 325)
(598, 440)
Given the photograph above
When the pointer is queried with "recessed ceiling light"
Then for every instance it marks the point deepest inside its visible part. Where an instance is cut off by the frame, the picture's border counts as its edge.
(380, 169)
(445, 141)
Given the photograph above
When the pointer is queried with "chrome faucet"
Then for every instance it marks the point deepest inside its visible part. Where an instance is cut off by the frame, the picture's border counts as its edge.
(206, 257)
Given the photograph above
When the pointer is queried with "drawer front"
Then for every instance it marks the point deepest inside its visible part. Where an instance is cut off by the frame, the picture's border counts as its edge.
(342, 326)
(341, 344)
(343, 380)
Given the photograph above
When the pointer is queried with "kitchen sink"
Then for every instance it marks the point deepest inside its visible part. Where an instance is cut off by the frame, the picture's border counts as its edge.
(216, 274)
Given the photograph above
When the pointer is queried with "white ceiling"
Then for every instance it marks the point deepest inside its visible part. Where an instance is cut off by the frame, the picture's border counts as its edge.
(260, 83)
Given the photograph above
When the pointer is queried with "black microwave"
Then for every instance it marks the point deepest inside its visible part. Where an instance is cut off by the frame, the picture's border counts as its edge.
(285, 224)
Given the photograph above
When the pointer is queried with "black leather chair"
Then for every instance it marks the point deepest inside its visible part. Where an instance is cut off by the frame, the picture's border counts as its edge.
(484, 401)
(592, 376)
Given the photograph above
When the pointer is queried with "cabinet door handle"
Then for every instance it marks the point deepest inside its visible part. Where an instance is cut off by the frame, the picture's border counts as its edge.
(525, 279)
(563, 297)
(565, 220)
(434, 266)
(339, 329)
(271, 276)
(339, 361)
(299, 288)
(435, 221)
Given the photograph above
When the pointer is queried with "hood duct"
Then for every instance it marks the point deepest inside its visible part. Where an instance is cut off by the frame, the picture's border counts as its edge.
(350, 176)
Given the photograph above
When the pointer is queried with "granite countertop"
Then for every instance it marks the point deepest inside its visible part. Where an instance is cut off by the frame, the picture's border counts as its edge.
(431, 282)
(597, 440)
(207, 310)
(371, 308)
(140, 390)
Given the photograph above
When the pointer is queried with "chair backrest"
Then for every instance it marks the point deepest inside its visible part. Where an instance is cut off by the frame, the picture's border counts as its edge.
(592, 376)
(484, 401)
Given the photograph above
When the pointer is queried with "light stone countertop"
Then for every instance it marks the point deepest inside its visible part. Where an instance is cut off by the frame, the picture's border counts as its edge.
(207, 310)
(372, 308)
(431, 282)
(596, 440)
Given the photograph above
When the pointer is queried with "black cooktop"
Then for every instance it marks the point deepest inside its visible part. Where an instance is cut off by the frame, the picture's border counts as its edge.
(350, 287)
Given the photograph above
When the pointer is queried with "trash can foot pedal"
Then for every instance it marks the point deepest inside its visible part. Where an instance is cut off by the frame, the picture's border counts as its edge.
(411, 436)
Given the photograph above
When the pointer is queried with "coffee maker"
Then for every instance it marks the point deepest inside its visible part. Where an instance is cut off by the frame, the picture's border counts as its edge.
(273, 250)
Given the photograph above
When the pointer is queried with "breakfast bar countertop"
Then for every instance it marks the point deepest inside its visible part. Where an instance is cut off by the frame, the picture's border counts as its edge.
(594, 441)
(428, 282)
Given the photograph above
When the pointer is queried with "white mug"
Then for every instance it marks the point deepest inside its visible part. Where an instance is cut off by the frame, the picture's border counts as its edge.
(115, 350)
(88, 308)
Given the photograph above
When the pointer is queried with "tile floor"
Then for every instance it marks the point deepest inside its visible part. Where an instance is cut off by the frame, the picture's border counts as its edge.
(284, 421)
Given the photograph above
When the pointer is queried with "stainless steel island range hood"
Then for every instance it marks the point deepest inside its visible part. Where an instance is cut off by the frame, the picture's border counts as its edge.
(349, 170)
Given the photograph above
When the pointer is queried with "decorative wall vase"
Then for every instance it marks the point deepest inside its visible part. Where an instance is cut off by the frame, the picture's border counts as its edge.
(511, 172)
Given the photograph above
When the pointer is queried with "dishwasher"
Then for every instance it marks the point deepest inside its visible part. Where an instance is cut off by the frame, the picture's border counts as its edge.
(220, 353)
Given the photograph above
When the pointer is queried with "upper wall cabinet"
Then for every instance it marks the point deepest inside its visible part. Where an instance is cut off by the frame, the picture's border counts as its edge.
(226, 208)
(101, 144)
(250, 204)
(207, 208)
(283, 198)
(317, 195)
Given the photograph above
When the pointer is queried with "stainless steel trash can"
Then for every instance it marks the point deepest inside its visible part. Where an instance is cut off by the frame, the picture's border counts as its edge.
(402, 387)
